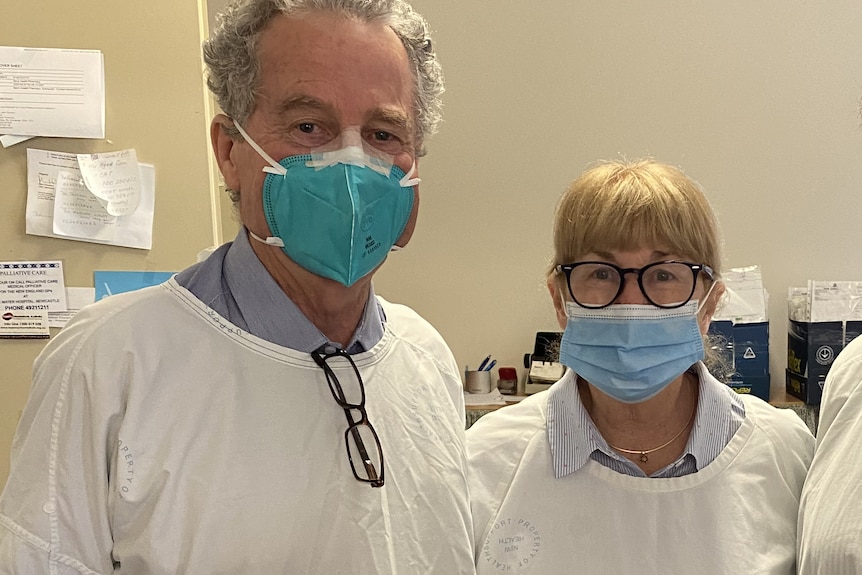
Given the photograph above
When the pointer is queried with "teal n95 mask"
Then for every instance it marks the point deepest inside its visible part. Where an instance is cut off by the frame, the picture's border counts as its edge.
(336, 212)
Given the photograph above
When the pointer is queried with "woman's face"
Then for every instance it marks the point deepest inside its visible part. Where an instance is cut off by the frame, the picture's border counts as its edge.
(631, 292)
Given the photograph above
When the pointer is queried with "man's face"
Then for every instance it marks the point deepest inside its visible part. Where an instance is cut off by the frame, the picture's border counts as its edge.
(320, 74)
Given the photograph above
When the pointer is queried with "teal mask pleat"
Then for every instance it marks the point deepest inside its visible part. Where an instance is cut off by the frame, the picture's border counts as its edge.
(338, 221)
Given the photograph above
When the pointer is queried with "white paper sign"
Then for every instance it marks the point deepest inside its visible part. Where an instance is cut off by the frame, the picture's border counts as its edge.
(32, 287)
(43, 172)
(835, 300)
(52, 92)
(77, 212)
(113, 179)
(8, 140)
(24, 325)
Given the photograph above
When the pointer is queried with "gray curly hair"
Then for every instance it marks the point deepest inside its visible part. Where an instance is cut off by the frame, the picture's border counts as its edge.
(233, 68)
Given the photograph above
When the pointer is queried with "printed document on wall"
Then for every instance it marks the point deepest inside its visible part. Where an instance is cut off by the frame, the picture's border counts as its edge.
(52, 92)
(116, 210)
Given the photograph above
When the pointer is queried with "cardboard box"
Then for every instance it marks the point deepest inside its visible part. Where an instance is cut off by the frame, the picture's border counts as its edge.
(811, 349)
(747, 350)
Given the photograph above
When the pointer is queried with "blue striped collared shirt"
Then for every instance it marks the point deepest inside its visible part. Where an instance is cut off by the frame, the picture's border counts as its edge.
(575, 439)
(234, 283)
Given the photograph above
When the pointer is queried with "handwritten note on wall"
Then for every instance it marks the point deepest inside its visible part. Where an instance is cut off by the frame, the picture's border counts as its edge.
(77, 212)
(61, 205)
(113, 178)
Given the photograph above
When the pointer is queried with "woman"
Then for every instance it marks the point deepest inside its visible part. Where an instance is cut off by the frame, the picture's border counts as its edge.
(637, 460)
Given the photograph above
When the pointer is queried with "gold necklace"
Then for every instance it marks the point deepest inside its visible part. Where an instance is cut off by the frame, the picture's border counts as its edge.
(645, 452)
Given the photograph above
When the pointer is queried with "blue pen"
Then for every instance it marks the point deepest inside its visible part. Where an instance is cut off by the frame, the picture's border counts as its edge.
(491, 365)
(484, 363)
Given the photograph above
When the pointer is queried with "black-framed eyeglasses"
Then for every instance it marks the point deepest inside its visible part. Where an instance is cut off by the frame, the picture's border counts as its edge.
(363, 444)
(669, 284)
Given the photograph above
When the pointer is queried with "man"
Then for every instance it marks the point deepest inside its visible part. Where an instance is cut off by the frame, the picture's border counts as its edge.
(264, 411)
(829, 533)
(830, 509)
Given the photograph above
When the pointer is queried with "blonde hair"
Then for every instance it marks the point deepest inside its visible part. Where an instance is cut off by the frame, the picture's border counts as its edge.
(630, 205)
(627, 206)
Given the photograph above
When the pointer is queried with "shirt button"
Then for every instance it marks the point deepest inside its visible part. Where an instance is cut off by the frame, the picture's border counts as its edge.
(49, 508)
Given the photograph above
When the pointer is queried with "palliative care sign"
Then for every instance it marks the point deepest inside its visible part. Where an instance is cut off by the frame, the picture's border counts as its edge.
(28, 291)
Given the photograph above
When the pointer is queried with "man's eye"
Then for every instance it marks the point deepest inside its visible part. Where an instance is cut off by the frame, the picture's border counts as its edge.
(306, 127)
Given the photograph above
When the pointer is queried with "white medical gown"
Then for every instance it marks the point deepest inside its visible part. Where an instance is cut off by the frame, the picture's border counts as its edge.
(158, 438)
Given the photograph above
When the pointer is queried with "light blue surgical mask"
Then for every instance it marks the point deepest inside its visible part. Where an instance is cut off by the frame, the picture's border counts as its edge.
(337, 213)
(631, 352)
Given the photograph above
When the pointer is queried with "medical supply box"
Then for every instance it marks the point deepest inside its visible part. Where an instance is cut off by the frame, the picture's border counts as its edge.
(745, 347)
(811, 349)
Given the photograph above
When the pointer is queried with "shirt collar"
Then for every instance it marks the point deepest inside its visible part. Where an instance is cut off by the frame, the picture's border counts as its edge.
(719, 412)
(271, 315)
(573, 436)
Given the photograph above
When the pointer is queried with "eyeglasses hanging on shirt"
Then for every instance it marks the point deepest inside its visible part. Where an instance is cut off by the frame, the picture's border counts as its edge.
(363, 444)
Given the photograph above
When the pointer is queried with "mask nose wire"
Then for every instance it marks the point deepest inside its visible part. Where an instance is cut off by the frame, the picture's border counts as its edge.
(274, 167)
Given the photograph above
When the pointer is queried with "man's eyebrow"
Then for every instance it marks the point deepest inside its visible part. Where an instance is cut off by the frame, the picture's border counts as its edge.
(302, 102)
(392, 117)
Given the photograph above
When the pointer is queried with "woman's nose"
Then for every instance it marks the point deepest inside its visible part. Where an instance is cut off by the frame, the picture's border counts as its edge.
(631, 293)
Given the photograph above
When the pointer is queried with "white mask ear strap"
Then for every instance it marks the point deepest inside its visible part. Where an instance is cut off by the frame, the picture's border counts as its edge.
(275, 168)
(408, 181)
(705, 297)
(270, 241)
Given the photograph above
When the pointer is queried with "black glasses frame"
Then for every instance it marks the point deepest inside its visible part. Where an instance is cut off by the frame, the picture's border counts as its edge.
(372, 476)
(695, 269)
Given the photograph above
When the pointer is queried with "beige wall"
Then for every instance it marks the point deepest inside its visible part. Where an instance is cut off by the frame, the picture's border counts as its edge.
(155, 104)
(757, 101)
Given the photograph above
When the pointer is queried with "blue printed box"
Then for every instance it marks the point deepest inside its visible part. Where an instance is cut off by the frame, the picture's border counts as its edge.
(745, 347)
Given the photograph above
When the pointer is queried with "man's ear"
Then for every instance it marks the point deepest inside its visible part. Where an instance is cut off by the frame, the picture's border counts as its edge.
(556, 297)
(222, 144)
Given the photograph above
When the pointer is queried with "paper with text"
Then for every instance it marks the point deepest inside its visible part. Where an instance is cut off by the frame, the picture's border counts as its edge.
(113, 179)
(32, 287)
(52, 92)
(77, 212)
(77, 216)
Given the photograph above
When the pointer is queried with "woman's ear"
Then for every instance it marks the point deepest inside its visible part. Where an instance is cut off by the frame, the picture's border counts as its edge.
(710, 306)
(557, 298)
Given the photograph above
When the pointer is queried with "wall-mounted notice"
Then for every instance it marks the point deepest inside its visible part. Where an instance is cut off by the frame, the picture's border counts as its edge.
(52, 92)
(113, 179)
(28, 291)
(117, 210)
